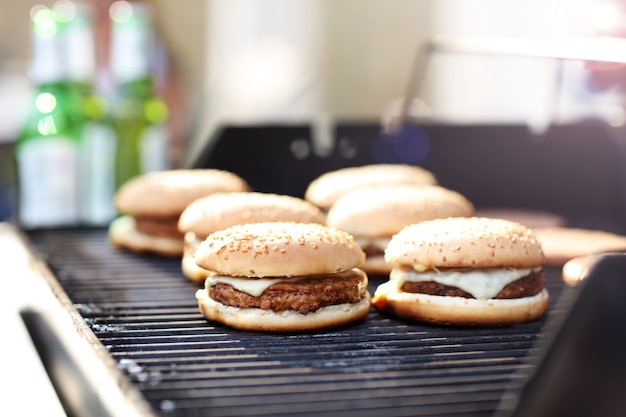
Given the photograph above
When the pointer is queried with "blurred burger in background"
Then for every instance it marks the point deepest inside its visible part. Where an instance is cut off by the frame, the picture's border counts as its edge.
(327, 188)
(150, 205)
(374, 214)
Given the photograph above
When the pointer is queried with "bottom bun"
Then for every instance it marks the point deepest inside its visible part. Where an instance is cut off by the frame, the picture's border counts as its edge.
(191, 270)
(462, 311)
(124, 234)
(256, 319)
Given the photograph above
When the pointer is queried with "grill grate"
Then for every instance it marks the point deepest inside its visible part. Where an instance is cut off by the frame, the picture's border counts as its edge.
(144, 312)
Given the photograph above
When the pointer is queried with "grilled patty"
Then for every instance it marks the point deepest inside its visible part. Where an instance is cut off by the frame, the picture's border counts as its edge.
(305, 296)
(157, 226)
(527, 286)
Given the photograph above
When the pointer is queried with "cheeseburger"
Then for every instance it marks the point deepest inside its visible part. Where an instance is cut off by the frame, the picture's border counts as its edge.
(150, 205)
(327, 188)
(222, 210)
(464, 271)
(374, 214)
(282, 277)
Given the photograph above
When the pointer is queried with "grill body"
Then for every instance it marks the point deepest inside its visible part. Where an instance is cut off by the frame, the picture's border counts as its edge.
(144, 313)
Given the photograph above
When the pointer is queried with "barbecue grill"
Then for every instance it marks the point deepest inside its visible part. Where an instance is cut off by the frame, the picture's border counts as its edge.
(143, 315)
(152, 353)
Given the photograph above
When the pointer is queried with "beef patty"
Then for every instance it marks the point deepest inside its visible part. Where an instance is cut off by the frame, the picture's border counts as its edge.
(527, 286)
(305, 295)
(158, 226)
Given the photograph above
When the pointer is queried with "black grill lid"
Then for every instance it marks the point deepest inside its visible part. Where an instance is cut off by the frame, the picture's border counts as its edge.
(143, 311)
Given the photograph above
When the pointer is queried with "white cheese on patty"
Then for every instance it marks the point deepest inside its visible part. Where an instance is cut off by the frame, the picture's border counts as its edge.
(256, 286)
(482, 284)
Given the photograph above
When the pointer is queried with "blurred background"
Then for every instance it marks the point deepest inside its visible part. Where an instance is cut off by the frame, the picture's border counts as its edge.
(216, 63)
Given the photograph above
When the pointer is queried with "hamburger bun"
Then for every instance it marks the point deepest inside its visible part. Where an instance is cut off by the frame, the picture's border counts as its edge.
(560, 244)
(168, 193)
(374, 214)
(150, 205)
(282, 277)
(327, 188)
(222, 210)
(464, 271)
(123, 233)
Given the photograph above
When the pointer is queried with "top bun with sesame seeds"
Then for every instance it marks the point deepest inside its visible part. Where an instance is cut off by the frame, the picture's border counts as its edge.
(282, 277)
(472, 242)
(464, 271)
(279, 249)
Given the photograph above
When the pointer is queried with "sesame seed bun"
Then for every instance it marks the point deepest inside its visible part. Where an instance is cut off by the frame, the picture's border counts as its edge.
(500, 256)
(375, 213)
(311, 271)
(123, 234)
(278, 249)
(327, 188)
(167, 193)
(474, 242)
(222, 210)
(560, 244)
(256, 319)
(384, 211)
(190, 268)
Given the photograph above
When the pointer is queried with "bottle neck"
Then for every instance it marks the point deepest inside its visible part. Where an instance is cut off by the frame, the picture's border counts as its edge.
(76, 43)
(131, 50)
(46, 66)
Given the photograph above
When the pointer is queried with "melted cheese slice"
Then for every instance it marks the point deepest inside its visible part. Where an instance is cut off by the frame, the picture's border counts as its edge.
(483, 284)
(256, 286)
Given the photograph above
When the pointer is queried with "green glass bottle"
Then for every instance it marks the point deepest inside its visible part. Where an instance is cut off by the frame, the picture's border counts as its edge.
(139, 115)
(97, 138)
(46, 151)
